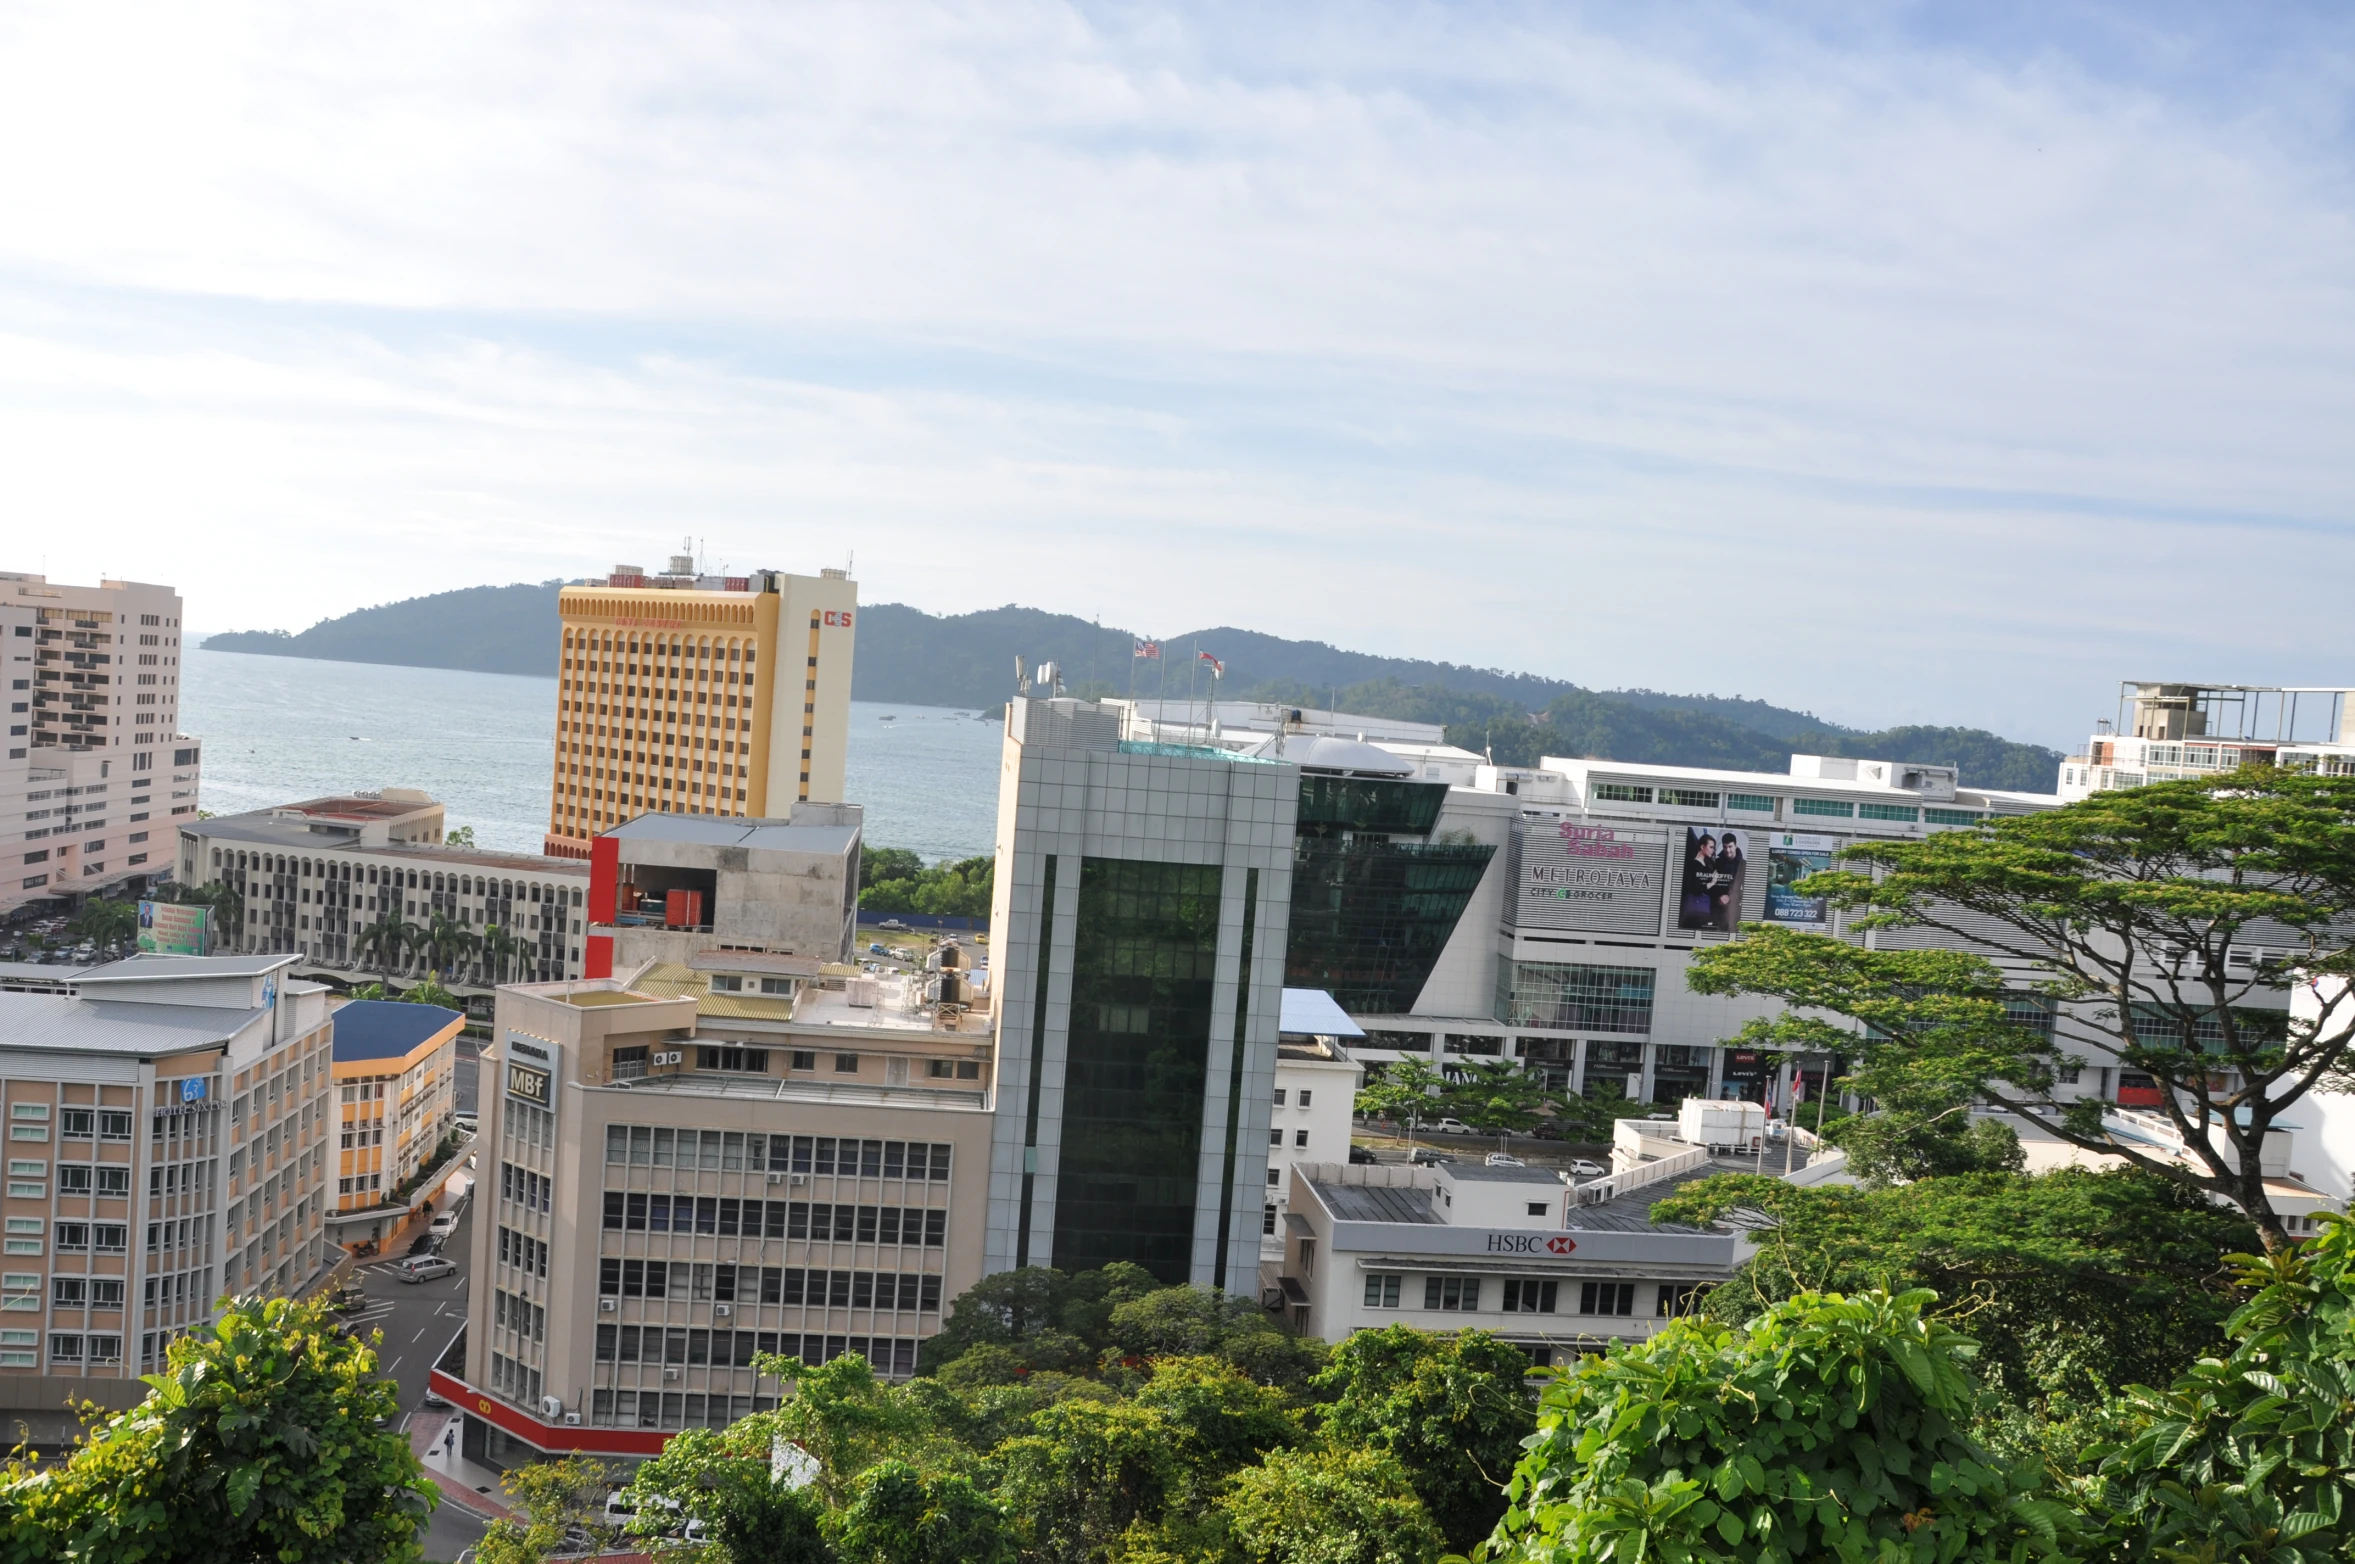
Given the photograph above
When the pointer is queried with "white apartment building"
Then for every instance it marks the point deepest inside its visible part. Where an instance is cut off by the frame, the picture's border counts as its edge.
(2171, 732)
(95, 770)
(1314, 1103)
(314, 875)
(167, 1133)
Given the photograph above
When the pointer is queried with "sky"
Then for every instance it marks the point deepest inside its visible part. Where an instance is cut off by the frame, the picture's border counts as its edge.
(1897, 362)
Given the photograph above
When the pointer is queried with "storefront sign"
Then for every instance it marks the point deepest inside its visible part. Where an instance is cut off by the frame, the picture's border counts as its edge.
(526, 1084)
(1605, 879)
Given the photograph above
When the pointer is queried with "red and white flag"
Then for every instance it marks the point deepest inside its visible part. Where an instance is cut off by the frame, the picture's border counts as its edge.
(1218, 670)
(1148, 649)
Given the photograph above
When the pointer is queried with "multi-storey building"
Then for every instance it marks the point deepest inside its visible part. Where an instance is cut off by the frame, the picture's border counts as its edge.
(167, 1125)
(95, 770)
(1142, 897)
(736, 1154)
(312, 877)
(396, 1081)
(2172, 732)
(662, 887)
(689, 694)
(1312, 1108)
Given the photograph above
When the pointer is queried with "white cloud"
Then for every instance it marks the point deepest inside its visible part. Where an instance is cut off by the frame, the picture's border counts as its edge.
(1897, 380)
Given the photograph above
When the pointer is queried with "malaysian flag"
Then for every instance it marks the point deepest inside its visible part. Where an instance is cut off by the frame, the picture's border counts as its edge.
(1148, 649)
(1218, 670)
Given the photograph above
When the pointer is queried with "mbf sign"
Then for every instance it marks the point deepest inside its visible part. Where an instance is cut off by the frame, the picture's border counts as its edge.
(526, 1084)
(1531, 1243)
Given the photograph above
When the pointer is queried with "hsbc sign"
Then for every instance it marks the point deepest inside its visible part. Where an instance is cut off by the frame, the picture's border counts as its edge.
(1532, 1243)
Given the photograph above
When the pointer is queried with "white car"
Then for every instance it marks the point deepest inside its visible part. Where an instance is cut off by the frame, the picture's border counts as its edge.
(424, 1268)
(1585, 1169)
(1450, 1127)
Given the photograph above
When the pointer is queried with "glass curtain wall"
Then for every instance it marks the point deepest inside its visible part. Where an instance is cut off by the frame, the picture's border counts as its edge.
(1371, 913)
(1138, 1057)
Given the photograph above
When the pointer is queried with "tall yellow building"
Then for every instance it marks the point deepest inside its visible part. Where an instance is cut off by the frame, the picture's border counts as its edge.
(706, 695)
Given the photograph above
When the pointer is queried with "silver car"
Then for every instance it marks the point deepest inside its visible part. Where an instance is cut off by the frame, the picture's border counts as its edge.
(425, 1268)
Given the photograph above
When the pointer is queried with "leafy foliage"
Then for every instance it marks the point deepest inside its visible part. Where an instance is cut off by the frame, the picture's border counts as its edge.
(901, 1516)
(258, 1440)
(1328, 1506)
(721, 1477)
(559, 1501)
(2073, 1282)
(2130, 909)
(895, 880)
(1828, 1427)
(1451, 1410)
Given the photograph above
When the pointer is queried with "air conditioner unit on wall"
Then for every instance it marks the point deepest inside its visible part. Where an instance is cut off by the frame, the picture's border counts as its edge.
(670, 1373)
(608, 1305)
(776, 1178)
(723, 1311)
(572, 1420)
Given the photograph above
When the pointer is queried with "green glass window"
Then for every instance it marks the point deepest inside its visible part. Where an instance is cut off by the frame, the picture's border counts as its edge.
(1136, 1063)
(1621, 793)
(1574, 997)
(1330, 804)
(1822, 806)
(1888, 812)
(1757, 803)
(1370, 916)
(1952, 816)
(1688, 798)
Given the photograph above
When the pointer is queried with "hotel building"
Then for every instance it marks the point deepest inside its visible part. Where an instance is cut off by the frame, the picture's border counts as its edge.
(1142, 897)
(740, 1152)
(396, 1084)
(95, 770)
(167, 1142)
(693, 694)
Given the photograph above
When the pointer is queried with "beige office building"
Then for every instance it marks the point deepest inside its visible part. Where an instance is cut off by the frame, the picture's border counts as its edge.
(95, 771)
(167, 1130)
(745, 1152)
(681, 693)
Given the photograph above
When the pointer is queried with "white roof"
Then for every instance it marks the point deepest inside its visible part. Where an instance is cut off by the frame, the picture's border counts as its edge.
(1312, 1012)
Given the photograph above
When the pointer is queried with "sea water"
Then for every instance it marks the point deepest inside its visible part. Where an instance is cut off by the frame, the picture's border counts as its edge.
(279, 729)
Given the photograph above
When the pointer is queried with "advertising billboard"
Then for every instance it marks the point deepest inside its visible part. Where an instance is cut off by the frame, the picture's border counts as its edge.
(1602, 879)
(170, 928)
(1714, 875)
(1790, 859)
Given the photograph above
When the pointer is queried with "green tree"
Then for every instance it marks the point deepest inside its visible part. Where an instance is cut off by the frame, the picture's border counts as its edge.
(428, 990)
(842, 1415)
(1828, 1427)
(1452, 1410)
(260, 1439)
(500, 951)
(2135, 912)
(448, 942)
(227, 906)
(957, 890)
(463, 836)
(900, 1516)
(1223, 1420)
(1086, 1473)
(2072, 1282)
(1326, 1506)
(877, 864)
(2250, 1455)
(109, 925)
(1494, 1097)
(1406, 1091)
(559, 1501)
(1044, 1317)
(721, 1478)
(1200, 1321)
(385, 941)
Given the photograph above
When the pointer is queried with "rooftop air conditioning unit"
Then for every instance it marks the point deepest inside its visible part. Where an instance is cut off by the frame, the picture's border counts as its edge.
(572, 1420)
(722, 1311)
(551, 1405)
(608, 1305)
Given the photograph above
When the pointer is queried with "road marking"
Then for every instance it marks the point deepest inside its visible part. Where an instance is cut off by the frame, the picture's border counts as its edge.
(420, 1336)
(396, 1363)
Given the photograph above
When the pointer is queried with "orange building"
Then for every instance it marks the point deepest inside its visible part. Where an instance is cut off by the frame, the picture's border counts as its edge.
(705, 695)
(396, 1078)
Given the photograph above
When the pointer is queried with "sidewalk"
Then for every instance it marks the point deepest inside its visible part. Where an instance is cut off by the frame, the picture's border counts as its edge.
(461, 1482)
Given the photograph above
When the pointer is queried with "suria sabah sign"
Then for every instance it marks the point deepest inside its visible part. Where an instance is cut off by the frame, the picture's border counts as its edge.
(1571, 875)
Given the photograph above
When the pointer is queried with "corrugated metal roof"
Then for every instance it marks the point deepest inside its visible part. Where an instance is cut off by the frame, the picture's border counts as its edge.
(62, 1022)
(148, 968)
(671, 980)
(1376, 1203)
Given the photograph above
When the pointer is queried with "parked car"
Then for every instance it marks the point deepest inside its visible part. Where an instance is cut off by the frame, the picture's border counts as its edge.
(895, 926)
(434, 1403)
(425, 1268)
(1425, 1157)
(447, 1222)
(467, 1124)
(1503, 1159)
(1585, 1169)
(1362, 1154)
(427, 1242)
(1450, 1127)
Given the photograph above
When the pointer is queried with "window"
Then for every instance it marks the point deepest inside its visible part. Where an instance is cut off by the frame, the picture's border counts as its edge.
(1530, 1296)
(1275, 1137)
(70, 1292)
(1279, 1097)
(114, 1124)
(74, 1178)
(1756, 803)
(1451, 1293)
(1574, 996)
(1300, 1139)
(804, 1059)
(1823, 806)
(1304, 1095)
(1889, 812)
(846, 1064)
(1621, 793)
(1688, 798)
(1267, 1221)
(70, 1236)
(1952, 816)
(1680, 1298)
(1381, 1289)
(65, 1348)
(747, 1061)
(1607, 1298)
(1538, 1208)
(1275, 1176)
(77, 1123)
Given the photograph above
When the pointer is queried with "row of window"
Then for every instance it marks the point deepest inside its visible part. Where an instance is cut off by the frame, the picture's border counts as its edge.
(1529, 1295)
(524, 1252)
(523, 1187)
(519, 1314)
(818, 1221)
(72, 1123)
(72, 1347)
(517, 1381)
(728, 1151)
(788, 1286)
(87, 1292)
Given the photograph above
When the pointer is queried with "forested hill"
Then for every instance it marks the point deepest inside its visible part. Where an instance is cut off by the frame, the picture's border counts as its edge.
(910, 657)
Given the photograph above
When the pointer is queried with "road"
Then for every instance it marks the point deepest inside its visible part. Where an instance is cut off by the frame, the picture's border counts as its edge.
(418, 1321)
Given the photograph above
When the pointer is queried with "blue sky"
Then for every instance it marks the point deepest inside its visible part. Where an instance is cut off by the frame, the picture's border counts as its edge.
(1904, 363)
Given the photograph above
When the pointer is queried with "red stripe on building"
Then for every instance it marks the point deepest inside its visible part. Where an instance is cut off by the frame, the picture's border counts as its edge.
(551, 1437)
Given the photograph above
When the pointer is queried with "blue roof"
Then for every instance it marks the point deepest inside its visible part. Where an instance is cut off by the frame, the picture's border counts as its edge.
(385, 1028)
(1314, 1013)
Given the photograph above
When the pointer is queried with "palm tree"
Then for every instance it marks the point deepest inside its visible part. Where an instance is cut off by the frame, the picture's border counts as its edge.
(109, 925)
(499, 947)
(447, 941)
(385, 940)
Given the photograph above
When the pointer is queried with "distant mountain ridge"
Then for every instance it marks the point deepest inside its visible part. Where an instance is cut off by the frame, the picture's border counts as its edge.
(906, 656)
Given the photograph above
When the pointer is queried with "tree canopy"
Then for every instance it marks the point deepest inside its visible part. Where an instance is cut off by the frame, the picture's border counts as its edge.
(2150, 930)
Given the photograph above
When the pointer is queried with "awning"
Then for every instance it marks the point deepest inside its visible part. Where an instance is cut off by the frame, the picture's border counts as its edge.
(1311, 1012)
